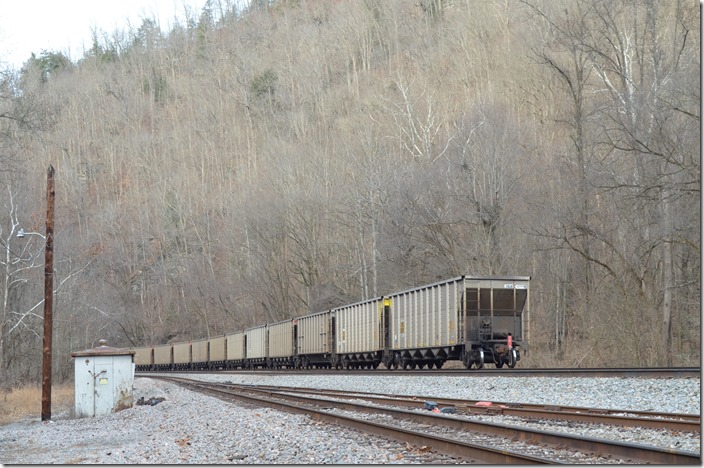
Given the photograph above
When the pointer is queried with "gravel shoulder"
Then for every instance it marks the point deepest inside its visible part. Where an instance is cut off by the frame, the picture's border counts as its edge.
(191, 428)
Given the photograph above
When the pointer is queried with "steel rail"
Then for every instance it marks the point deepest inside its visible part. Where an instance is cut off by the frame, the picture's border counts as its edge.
(447, 446)
(654, 373)
(652, 420)
(627, 451)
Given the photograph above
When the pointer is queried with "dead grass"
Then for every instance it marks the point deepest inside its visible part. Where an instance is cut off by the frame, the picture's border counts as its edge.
(26, 402)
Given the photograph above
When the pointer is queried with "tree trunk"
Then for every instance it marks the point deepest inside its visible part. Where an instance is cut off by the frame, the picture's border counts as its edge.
(668, 283)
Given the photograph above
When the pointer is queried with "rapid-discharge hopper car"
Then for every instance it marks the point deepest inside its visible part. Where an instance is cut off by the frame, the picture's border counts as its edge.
(472, 319)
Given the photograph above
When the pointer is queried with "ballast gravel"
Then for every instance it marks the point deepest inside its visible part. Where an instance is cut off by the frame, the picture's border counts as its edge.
(193, 428)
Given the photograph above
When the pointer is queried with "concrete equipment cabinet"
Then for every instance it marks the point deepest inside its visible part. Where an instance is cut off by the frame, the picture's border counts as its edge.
(103, 380)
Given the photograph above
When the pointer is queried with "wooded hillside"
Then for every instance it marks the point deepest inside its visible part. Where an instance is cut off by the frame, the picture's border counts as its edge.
(253, 166)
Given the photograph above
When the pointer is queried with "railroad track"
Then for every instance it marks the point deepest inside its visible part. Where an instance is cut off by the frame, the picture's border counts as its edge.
(617, 417)
(663, 373)
(480, 441)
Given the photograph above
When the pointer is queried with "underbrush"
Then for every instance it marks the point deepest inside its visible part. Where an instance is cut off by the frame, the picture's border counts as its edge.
(26, 402)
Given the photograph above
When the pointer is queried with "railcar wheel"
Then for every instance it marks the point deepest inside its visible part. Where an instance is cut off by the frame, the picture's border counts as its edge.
(478, 363)
(512, 359)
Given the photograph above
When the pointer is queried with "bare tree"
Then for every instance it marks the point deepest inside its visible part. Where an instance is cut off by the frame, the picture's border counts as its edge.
(644, 52)
(631, 169)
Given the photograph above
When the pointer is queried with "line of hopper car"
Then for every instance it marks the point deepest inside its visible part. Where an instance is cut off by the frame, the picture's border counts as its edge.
(476, 320)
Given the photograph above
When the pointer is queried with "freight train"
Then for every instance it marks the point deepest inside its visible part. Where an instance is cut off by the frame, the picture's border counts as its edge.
(472, 319)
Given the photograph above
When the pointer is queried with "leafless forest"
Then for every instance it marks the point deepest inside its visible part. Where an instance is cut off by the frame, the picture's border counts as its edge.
(250, 166)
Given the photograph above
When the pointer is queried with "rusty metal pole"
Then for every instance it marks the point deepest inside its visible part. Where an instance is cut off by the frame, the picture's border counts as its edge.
(48, 295)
